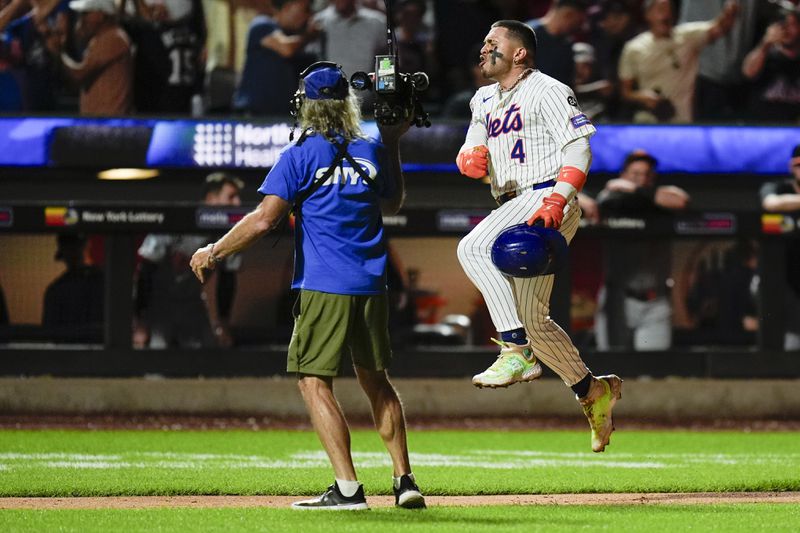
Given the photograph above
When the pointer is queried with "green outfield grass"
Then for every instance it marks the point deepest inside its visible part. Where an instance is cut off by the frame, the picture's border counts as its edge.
(96, 463)
(744, 517)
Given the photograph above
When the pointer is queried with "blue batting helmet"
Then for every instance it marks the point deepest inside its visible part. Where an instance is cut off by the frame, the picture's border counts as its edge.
(524, 251)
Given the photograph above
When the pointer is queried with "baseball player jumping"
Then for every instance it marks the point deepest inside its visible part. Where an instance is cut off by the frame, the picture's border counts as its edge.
(529, 136)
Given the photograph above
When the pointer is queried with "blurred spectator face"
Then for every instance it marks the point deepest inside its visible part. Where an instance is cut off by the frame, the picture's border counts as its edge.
(70, 249)
(497, 53)
(89, 23)
(794, 164)
(377, 5)
(344, 7)
(659, 17)
(410, 15)
(794, 167)
(616, 22)
(295, 15)
(583, 72)
(176, 9)
(640, 173)
(583, 54)
(572, 19)
(791, 30)
(228, 194)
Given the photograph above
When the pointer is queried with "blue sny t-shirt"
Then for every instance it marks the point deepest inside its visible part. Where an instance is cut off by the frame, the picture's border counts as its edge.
(339, 243)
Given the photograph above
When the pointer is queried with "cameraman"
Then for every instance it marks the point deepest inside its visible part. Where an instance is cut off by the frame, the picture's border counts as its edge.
(339, 183)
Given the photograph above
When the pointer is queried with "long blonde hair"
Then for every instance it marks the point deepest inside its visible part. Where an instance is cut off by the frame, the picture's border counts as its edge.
(341, 117)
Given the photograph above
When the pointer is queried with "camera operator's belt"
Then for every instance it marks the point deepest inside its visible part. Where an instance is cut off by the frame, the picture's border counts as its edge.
(510, 195)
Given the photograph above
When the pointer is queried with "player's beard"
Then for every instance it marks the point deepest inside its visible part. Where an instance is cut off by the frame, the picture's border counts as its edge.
(495, 68)
(490, 71)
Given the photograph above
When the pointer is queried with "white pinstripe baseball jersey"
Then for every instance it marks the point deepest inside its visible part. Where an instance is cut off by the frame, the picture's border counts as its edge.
(525, 129)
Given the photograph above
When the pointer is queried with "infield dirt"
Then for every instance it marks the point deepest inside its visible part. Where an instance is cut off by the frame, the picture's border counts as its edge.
(147, 502)
(178, 422)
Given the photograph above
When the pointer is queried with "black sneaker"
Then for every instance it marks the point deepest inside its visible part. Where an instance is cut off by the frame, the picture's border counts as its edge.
(333, 500)
(408, 495)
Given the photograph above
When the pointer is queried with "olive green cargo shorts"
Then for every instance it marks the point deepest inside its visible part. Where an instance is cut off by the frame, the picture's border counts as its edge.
(329, 326)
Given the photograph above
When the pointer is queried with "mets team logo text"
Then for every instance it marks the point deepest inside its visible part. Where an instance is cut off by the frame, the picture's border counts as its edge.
(511, 121)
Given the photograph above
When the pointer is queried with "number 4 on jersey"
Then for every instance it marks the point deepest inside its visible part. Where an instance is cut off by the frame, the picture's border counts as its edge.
(518, 152)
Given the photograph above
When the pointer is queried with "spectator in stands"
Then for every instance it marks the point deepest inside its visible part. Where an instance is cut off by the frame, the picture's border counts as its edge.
(720, 299)
(415, 40)
(171, 308)
(658, 68)
(170, 41)
(784, 196)
(24, 45)
(377, 5)
(634, 308)
(161, 10)
(738, 313)
(11, 9)
(457, 105)
(352, 35)
(617, 24)
(105, 71)
(11, 66)
(416, 45)
(456, 34)
(775, 67)
(75, 299)
(275, 57)
(721, 91)
(592, 91)
(554, 35)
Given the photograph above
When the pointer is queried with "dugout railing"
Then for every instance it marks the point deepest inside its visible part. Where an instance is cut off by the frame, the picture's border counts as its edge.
(114, 356)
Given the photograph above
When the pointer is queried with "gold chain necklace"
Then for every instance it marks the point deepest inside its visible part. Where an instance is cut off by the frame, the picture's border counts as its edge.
(522, 75)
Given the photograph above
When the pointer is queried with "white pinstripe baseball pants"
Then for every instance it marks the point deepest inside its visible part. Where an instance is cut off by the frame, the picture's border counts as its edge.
(522, 302)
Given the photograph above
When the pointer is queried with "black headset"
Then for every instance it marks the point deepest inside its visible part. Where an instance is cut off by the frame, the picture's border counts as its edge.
(318, 65)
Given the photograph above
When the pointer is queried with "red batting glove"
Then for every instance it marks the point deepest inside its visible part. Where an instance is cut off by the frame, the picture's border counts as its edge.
(474, 162)
(551, 212)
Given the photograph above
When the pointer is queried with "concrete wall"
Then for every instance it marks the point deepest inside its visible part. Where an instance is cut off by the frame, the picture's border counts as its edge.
(668, 398)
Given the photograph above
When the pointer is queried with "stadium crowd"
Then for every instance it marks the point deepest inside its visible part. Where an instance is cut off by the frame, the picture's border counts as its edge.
(627, 60)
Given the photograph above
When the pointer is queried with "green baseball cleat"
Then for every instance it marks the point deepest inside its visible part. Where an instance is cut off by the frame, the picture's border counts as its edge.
(604, 392)
(516, 363)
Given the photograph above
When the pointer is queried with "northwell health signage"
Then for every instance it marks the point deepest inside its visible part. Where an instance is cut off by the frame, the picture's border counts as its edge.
(63, 142)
